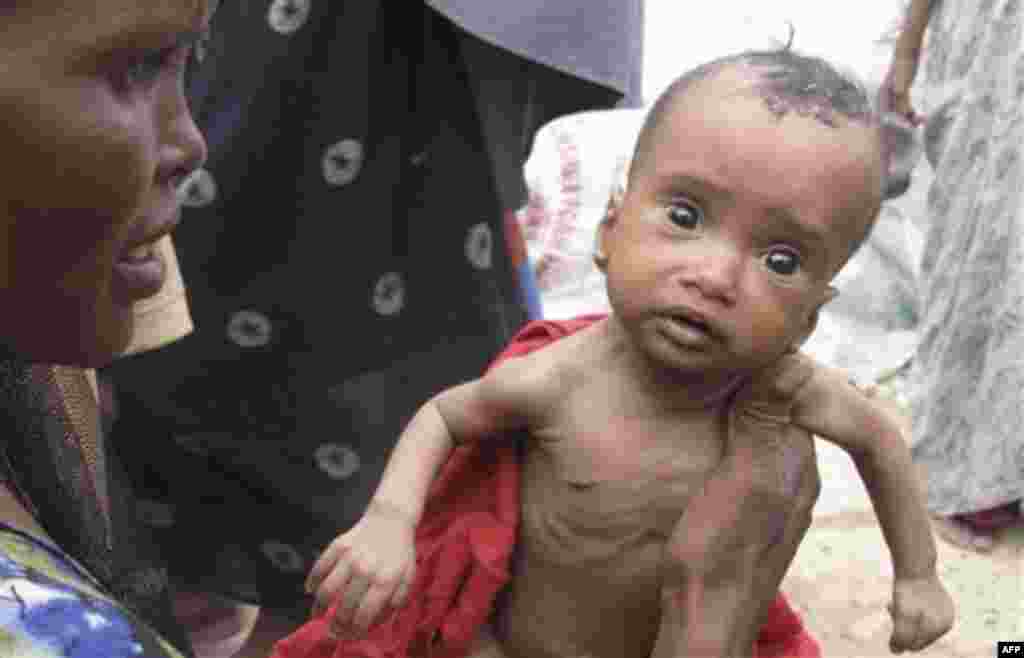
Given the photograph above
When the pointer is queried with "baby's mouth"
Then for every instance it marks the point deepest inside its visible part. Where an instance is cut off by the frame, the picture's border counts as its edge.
(689, 332)
(692, 321)
(694, 324)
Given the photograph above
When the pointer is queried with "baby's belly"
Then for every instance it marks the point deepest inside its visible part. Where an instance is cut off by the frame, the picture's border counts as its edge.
(586, 578)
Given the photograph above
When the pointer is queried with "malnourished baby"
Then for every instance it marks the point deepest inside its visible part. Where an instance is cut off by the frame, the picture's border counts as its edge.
(754, 179)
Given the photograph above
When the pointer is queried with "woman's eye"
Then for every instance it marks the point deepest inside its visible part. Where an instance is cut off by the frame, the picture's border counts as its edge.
(782, 261)
(144, 70)
(685, 215)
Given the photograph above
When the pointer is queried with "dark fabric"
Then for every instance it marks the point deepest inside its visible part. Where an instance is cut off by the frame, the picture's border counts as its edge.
(335, 285)
(53, 455)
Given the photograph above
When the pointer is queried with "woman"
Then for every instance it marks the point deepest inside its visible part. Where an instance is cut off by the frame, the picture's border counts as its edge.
(970, 380)
(95, 123)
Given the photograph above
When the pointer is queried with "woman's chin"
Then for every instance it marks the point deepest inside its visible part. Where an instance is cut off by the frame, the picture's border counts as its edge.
(109, 340)
(99, 340)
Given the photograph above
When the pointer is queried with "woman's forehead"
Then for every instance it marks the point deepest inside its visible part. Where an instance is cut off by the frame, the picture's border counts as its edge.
(87, 21)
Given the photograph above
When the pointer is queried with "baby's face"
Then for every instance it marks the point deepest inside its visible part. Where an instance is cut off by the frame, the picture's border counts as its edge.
(96, 135)
(722, 250)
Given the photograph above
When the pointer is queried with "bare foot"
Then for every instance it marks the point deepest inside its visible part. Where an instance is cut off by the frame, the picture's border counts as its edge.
(962, 535)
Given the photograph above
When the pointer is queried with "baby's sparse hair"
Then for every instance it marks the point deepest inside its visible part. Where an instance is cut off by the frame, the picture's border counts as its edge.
(786, 81)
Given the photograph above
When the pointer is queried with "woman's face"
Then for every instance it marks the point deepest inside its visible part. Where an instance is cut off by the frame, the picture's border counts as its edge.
(96, 136)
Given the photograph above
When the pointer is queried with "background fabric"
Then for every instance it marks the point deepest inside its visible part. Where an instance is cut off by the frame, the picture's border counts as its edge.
(969, 375)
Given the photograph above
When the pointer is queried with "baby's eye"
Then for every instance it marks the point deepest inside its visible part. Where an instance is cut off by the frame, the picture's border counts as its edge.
(685, 215)
(782, 261)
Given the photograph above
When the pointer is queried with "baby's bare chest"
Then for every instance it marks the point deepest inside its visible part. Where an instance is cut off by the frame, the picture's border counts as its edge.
(601, 484)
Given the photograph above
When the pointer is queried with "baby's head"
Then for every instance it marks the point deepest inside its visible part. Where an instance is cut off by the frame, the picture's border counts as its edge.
(755, 178)
(96, 136)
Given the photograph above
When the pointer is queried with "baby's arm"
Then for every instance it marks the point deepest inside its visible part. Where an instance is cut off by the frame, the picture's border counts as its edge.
(832, 408)
(372, 564)
(511, 396)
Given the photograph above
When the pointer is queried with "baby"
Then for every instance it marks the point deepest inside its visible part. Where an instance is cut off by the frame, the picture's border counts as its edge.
(755, 178)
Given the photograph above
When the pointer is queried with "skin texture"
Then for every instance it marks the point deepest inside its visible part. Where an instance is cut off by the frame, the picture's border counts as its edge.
(94, 117)
(671, 470)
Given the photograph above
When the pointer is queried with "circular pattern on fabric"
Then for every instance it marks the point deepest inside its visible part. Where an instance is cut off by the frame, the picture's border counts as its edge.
(250, 329)
(338, 461)
(287, 16)
(389, 294)
(480, 246)
(342, 162)
(198, 189)
(283, 556)
(418, 159)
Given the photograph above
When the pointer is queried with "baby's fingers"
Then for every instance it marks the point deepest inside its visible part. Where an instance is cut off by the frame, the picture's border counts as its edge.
(351, 599)
(377, 597)
(906, 631)
(332, 585)
(401, 594)
(933, 626)
(323, 565)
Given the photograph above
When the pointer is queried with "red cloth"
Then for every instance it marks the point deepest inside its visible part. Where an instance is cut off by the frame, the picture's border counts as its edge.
(463, 550)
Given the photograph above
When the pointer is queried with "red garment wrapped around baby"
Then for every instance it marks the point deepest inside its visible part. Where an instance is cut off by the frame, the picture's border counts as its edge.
(463, 551)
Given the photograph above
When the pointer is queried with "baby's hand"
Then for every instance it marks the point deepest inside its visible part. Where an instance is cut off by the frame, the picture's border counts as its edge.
(922, 612)
(371, 566)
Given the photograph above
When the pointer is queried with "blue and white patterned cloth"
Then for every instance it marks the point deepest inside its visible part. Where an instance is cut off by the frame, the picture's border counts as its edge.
(51, 608)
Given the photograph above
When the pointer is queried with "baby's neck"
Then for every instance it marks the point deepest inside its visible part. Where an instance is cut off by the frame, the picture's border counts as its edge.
(702, 389)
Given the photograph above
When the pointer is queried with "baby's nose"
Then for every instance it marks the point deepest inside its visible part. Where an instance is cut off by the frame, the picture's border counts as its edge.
(716, 272)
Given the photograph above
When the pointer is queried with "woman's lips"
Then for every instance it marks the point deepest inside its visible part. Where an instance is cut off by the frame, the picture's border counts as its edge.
(138, 273)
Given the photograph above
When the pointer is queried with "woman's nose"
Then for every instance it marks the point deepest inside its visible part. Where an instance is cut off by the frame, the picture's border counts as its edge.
(182, 145)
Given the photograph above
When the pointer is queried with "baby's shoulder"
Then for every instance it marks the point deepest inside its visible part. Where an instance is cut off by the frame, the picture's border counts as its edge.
(542, 376)
(786, 376)
(797, 380)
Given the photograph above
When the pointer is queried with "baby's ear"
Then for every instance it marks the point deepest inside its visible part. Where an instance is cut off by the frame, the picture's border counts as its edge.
(611, 216)
(615, 199)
